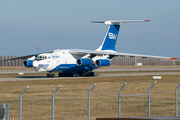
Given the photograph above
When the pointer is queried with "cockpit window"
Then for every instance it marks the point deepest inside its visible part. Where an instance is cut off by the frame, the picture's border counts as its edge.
(41, 57)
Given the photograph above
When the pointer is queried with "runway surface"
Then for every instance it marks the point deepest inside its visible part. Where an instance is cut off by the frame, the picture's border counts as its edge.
(101, 75)
(99, 70)
(22, 78)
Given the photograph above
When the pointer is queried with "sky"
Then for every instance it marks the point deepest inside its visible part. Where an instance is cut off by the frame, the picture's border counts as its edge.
(58, 24)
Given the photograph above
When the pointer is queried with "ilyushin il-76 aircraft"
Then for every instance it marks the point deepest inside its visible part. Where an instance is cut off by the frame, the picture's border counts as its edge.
(70, 62)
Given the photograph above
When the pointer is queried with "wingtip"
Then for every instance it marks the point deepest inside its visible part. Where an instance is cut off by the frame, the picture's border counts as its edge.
(173, 58)
(147, 20)
(97, 21)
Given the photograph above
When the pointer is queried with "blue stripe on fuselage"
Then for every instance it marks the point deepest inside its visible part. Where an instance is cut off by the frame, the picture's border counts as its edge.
(74, 68)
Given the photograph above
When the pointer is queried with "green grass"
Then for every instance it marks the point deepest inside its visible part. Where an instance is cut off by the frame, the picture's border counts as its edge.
(71, 100)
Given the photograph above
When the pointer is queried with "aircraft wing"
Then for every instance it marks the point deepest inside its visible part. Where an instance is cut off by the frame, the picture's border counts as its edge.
(21, 57)
(26, 56)
(94, 53)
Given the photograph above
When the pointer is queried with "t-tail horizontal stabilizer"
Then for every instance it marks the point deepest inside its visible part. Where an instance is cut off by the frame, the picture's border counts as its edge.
(113, 22)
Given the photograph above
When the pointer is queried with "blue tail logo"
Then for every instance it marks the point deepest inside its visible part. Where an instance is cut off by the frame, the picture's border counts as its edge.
(110, 38)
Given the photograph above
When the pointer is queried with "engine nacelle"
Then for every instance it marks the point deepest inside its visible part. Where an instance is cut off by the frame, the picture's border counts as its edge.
(28, 63)
(84, 62)
(102, 62)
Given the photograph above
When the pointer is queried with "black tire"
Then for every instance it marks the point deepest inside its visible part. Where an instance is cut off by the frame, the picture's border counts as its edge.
(91, 74)
(48, 75)
(80, 74)
(60, 74)
(85, 74)
(71, 75)
(66, 74)
(52, 75)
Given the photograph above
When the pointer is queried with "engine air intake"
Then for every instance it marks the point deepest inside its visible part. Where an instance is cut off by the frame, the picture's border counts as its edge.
(84, 61)
(28, 63)
(102, 62)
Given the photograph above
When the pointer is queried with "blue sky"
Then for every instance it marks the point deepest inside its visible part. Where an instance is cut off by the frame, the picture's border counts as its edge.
(67, 25)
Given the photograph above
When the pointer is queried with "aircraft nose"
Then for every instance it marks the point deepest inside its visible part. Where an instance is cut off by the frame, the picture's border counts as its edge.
(35, 64)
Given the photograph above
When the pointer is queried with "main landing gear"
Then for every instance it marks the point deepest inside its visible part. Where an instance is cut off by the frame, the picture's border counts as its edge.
(87, 74)
(65, 74)
(50, 75)
(68, 74)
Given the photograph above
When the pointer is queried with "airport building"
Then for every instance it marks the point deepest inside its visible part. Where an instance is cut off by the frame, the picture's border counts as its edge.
(130, 61)
(10, 63)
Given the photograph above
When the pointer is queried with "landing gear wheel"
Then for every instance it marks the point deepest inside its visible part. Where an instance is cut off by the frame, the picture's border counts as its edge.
(50, 75)
(60, 74)
(91, 74)
(70, 75)
(85, 75)
(80, 75)
(65, 74)
(88, 74)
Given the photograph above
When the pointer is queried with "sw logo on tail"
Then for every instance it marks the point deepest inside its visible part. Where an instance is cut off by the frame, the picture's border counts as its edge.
(69, 62)
(112, 36)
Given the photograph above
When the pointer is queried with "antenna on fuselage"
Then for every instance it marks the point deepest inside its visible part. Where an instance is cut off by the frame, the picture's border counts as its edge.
(37, 47)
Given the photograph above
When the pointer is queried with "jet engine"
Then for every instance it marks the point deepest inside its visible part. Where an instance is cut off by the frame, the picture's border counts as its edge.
(84, 61)
(102, 62)
(28, 63)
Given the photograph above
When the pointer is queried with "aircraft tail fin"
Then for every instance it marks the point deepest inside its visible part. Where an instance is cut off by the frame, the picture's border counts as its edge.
(111, 36)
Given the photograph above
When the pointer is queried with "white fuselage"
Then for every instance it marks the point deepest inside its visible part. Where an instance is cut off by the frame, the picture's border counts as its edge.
(50, 61)
(62, 60)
